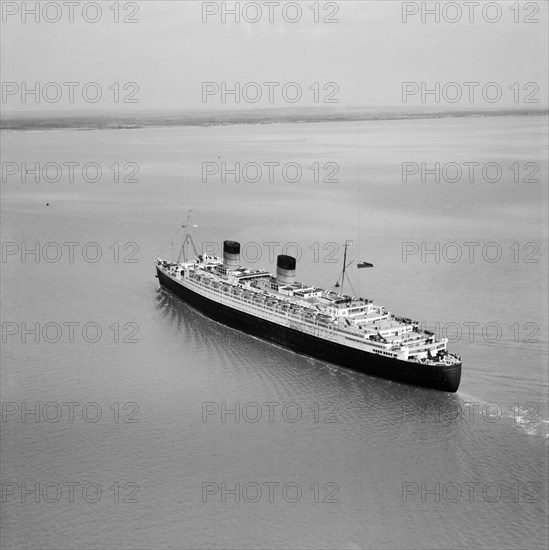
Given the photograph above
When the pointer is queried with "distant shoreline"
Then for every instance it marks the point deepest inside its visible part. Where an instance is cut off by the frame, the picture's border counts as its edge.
(138, 122)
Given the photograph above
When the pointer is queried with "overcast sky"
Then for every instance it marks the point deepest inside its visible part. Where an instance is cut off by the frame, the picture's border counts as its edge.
(368, 53)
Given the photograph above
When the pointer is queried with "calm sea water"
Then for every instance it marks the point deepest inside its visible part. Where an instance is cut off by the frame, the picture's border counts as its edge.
(320, 457)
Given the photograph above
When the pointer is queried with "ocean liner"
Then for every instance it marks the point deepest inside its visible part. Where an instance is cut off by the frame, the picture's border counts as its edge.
(348, 331)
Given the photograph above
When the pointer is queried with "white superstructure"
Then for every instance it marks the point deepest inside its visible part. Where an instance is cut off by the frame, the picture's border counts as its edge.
(350, 321)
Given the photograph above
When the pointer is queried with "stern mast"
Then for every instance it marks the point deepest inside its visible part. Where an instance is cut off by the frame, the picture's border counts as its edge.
(187, 240)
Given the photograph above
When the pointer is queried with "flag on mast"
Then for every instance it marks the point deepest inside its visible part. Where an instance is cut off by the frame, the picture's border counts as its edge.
(364, 264)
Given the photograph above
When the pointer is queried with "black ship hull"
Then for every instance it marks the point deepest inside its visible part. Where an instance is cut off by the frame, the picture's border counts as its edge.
(443, 378)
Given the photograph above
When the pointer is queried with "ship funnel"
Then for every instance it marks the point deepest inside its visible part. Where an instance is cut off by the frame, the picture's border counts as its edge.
(231, 254)
(285, 270)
